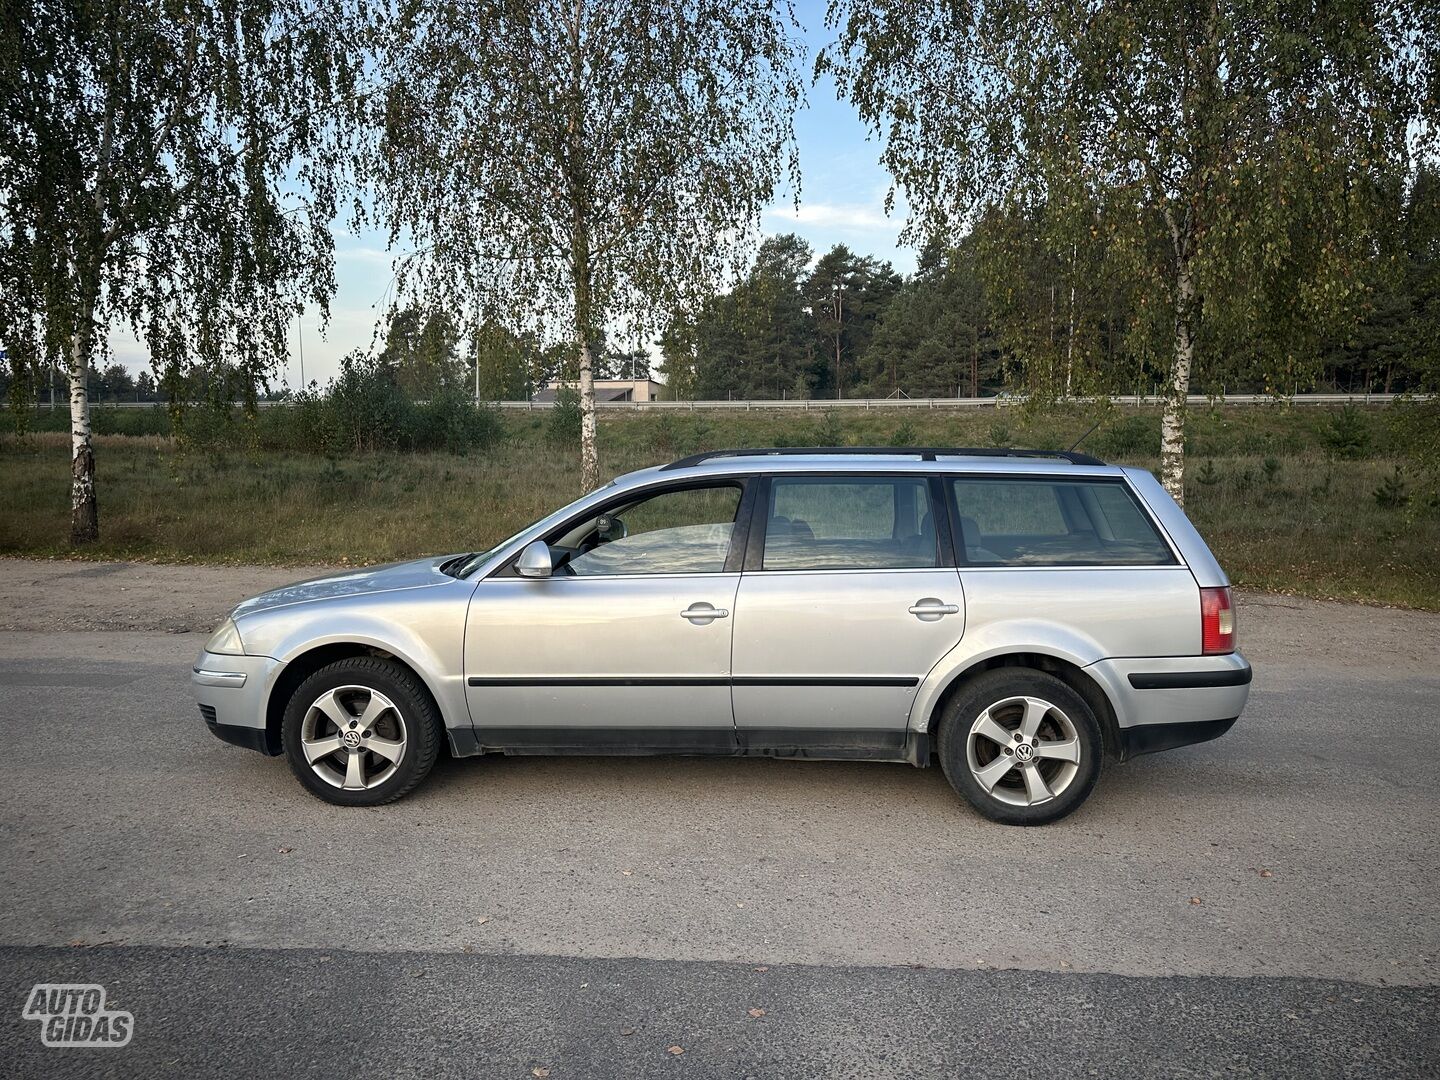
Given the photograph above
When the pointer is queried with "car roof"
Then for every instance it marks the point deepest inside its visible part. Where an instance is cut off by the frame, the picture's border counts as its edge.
(877, 460)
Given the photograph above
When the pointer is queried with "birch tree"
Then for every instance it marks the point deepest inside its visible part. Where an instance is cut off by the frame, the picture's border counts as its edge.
(171, 168)
(578, 168)
(1240, 146)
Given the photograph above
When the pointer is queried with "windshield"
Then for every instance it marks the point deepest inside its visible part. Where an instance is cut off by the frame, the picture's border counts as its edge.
(471, 563)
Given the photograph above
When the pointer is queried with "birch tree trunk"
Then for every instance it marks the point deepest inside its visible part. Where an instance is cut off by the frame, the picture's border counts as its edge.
(585, 339)
(1172, 422)
(589, 456)
(84, 513)
(581, 261)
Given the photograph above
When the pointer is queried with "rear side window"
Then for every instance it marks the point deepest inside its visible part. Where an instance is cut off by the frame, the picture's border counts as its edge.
(1056, 523)
(849, 523)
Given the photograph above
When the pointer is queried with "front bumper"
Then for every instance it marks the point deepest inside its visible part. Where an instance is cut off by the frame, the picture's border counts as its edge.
(231, 692)
(1164, 702)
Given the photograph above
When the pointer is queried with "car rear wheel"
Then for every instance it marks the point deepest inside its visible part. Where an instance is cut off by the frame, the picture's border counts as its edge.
(1021, 746)
(361, 732)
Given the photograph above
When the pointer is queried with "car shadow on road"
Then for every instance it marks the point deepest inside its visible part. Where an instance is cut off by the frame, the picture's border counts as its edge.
(678, 785)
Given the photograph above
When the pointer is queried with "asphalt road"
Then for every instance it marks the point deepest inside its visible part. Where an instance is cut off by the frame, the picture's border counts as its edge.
(1265, 904)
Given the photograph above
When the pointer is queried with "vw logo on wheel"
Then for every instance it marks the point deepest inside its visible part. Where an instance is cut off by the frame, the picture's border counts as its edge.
(1024, 752)
(351, 739)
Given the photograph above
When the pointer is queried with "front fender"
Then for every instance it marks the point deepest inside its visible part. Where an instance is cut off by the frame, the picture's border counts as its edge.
(1001, 638)
(422, 628)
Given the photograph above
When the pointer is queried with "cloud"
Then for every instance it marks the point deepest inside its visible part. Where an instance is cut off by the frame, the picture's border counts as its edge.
(863, 225)
(849, 217)
(366, 254)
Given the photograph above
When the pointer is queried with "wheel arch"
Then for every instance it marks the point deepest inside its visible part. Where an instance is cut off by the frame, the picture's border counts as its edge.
(1063, 668)
(305, 663)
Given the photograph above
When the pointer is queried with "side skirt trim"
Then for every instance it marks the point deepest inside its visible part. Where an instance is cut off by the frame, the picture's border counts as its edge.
(683, 680)
(565, 681)
(845, 744)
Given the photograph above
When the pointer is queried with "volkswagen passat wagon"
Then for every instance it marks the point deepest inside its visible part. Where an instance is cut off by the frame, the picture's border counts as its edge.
(1027, 619)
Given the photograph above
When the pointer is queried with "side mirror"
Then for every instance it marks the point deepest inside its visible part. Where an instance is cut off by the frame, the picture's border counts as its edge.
(534, 561)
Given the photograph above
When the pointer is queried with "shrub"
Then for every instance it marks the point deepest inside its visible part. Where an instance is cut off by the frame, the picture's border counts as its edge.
(562, 427)
(303, 424)
(664, 439)
(785, 438)
(451, 421)
(1131, 435)
(152, 421)
(206, 427)
(830, 432)
(1347, 435)
(1415, 427)
(367, 409)
(904, 435)
(678, 436)
(1392, 494)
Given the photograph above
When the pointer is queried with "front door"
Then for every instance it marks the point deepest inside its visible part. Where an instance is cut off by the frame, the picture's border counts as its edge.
(627, 645)
(851, 602)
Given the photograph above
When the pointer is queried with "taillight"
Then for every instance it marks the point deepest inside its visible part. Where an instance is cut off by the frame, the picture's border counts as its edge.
(1217, 621)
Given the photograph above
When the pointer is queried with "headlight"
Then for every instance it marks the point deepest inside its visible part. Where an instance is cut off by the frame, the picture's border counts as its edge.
(226, 640)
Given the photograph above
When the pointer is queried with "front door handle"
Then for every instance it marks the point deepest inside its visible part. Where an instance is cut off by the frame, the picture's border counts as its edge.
(929, 609)
(704, 613)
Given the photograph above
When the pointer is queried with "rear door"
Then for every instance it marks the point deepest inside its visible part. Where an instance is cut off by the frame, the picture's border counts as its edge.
(849, 597)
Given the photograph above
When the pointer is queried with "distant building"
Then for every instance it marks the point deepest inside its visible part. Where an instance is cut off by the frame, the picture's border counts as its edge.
(612, 390)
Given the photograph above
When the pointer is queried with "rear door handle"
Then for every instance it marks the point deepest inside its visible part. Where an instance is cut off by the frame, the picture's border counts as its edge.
(930, 609)
(704, 613)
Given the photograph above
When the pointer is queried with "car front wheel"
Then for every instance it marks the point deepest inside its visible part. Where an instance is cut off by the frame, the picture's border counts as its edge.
(1021, 746)
(361, 732)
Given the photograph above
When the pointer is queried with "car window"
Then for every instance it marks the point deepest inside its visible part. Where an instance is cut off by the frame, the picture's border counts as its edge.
(676, 532)
(849, 523)
(1055, 523)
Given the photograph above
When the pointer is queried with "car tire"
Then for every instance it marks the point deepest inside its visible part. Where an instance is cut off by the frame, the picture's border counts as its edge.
(380, 707)
(1050, 773)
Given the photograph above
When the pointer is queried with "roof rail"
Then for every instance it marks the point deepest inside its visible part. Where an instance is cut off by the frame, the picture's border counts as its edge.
(924, 453)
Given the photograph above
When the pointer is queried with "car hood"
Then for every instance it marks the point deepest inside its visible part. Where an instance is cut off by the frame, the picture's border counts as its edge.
(360, 582)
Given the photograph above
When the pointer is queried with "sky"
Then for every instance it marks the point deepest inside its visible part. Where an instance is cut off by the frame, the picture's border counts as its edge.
(842, 188)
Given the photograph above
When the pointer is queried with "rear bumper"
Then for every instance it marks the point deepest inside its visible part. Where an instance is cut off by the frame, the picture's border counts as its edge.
(1164, 702)
(231, 692)
(1151, 738)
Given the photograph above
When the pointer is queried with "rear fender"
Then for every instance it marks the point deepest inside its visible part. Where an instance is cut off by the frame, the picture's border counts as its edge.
(996, 639)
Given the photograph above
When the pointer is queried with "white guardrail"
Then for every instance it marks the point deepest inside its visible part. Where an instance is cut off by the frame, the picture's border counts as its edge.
(822, 404)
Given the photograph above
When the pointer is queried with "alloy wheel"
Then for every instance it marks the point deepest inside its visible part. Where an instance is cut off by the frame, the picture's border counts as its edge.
(1023, 751)
(353, 737)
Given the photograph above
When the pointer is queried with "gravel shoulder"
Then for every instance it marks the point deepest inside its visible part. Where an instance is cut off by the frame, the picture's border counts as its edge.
(67, 595)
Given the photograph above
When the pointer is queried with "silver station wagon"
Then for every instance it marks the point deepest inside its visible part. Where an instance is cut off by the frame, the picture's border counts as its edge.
(1027, 618)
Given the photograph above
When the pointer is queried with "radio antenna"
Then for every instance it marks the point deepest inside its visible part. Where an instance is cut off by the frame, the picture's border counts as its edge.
(1087, 434)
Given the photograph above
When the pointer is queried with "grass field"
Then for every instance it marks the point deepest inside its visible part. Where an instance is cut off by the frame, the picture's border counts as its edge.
(1267, 487)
